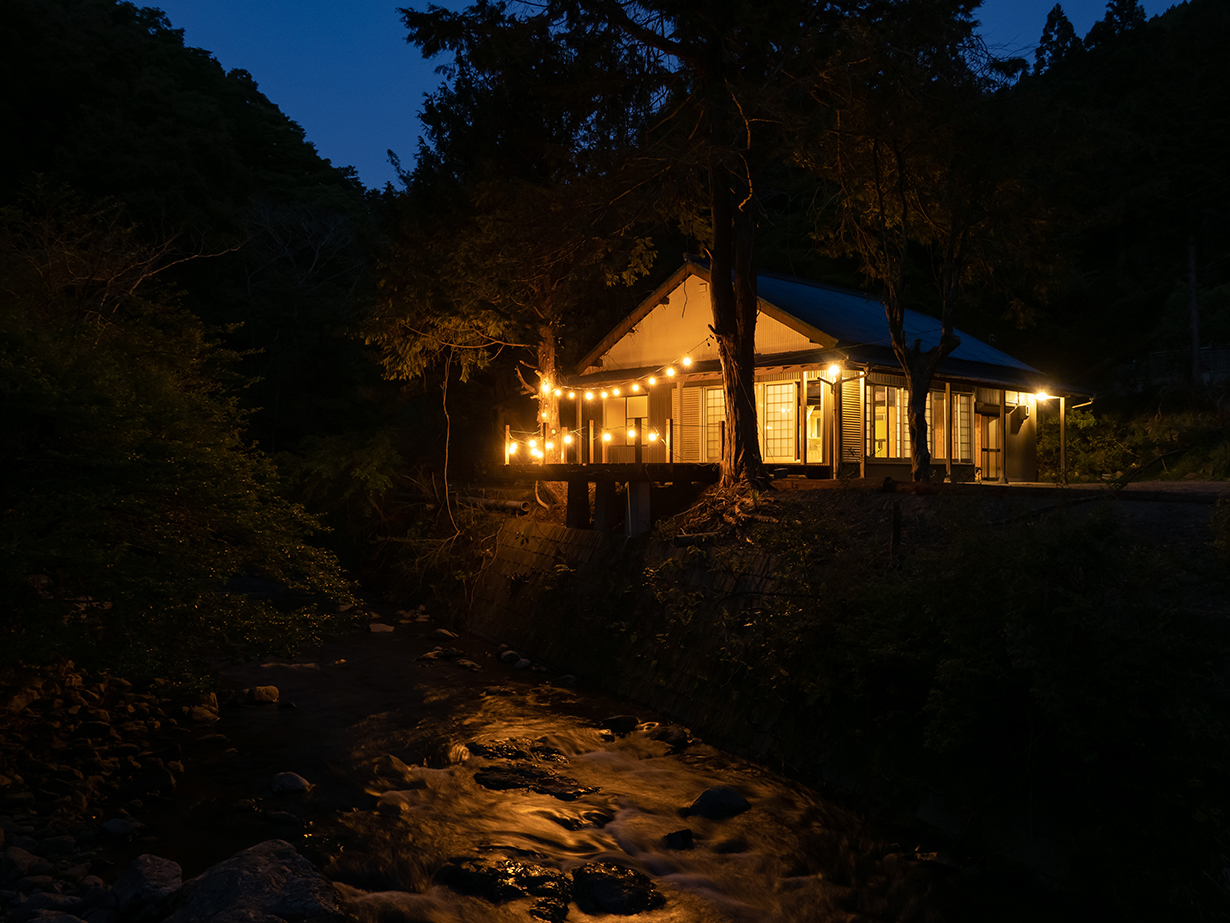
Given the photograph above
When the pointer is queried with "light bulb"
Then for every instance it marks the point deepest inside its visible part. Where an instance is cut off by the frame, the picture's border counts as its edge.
(653, 381)
(606, 437)
(571, 395)
(631, 434)
(636, 387)
(653, 437)
(567, 440)
(558, 392)
(616, 392)
(686, 361)
(670, 372)
(605, 395)
(589, 395)
(512, 449)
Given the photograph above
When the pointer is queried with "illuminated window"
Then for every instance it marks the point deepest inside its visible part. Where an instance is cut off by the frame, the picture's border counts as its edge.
(715, 416)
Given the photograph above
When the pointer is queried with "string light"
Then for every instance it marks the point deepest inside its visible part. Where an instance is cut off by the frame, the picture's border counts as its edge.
(571, 395)
(686, 361)
(635, 386)
(653, 381)
(533, 443)
(567, 439)
(558, 392)
(589, 395)
(512, 448)
(550, 445)
(546, 387)
(605, 395)
(670, 372)
(631, 434)
(606, 437)
(653, 436)
(616, 392)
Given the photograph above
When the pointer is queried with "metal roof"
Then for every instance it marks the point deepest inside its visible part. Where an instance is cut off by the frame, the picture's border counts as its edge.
(856, 319)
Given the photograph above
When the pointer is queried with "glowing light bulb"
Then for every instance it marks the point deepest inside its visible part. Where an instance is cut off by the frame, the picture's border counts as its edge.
(543, 415)
(616, 392)
(567, 440)
(550, 445)
(512, 449)
(558, 392)
(670, 372)
(606, 437)
(571, 395)
(1042, 396)
(546, 387)
(653, 437)
(605, 395)
(636, 387)
(686, 361)
(533, 443)
(589, 395)
(834, 370)
(653, 381)
(631, 434)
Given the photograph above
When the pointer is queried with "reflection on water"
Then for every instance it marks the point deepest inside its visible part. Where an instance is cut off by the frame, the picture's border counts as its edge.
(525, 774)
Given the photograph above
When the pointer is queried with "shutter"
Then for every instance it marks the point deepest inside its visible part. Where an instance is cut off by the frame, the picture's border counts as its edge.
(852, 424)
(687, 424)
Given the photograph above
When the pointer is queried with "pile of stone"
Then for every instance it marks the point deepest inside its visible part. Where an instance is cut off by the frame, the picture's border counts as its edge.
(77, 756)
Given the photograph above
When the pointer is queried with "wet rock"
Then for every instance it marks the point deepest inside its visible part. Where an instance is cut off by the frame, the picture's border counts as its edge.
(146, 885)
(621, 724)
(202, 714)
(717, 803)
(380, 628)
(673, 735)
(56, 846)
(46, 901)
(430, 655)
(509, 657)
(516, 748)
(16, 864)
(522, 664)
(443, 633)
(120, 828)
(507, 880)
(602, 887)
(450, 653)
(678, 839)
(270, 880)
(465, 664)
(532, 778)
(261, 695)
(290, 782)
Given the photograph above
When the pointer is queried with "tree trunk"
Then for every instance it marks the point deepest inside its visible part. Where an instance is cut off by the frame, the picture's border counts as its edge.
(1193, 311)
(919, 383)
(548, 403)
(732, 296)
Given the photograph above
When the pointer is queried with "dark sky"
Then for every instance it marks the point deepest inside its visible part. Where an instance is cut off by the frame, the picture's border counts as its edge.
(345, 73)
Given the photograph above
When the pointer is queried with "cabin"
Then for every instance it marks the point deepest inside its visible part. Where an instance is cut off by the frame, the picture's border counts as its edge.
(830, 396)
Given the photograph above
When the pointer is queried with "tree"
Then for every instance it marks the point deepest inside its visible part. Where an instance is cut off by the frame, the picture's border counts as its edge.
(919, 160)
(1058, 41)
(132, 497)
(1121, 17)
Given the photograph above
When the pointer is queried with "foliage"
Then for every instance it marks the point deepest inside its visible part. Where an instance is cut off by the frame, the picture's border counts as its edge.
(132, 498)
(1100, 447)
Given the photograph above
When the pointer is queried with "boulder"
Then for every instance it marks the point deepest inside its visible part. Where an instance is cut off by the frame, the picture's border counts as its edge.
(717, 803)
(380, 627)
(265, 883)
(290, 782)
(509, 657)
(148, 882)
(261, 695)
(120, 827)
(678, 839)
(443, 633)
(602, 887)
(16, 864)
(621, 724)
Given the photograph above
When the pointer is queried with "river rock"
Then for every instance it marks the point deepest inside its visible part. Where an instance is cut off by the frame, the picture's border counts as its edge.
(522, 664)
(602, 887)
(148, 882)
(678, 839)
(443, 633)
(622, 725)
(542, 781)
(717, 803)
(673, 735)
(45, 902)
(290, 782)
(261, 695)
(509, 657)
(120, 827)
(380, 627)
(507, 880)
(465, 664)
(264, 884)
(16, 864)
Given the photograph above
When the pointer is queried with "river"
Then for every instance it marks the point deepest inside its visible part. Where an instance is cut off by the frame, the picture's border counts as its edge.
(442, 793)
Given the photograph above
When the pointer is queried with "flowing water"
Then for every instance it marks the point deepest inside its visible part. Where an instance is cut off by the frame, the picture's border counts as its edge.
(427, 776)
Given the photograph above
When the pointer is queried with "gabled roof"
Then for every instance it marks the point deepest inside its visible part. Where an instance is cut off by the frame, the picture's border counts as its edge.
(829, 316)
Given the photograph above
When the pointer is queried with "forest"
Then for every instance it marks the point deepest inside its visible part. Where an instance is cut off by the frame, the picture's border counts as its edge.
(225, 364)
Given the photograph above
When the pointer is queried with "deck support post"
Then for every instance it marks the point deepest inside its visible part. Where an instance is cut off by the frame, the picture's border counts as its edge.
(605, 508)
(577, 513)
(638, 519)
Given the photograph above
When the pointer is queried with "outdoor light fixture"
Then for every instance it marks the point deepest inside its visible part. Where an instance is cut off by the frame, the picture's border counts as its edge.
(631, 434)
(604, 395)
(550, 445)
(589, 395)
(670, 372)
(834, 370)
(571, 395)
(558, 392)
(653, 437)
(635, 386)
(686, 361)
(568, 439)
(1042, 396)
(653, 381)
(512, 448)
(606, 437)
(533, 443)
(616, 392)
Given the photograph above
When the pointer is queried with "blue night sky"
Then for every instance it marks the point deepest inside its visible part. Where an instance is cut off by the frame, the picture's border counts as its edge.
(345, 73)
